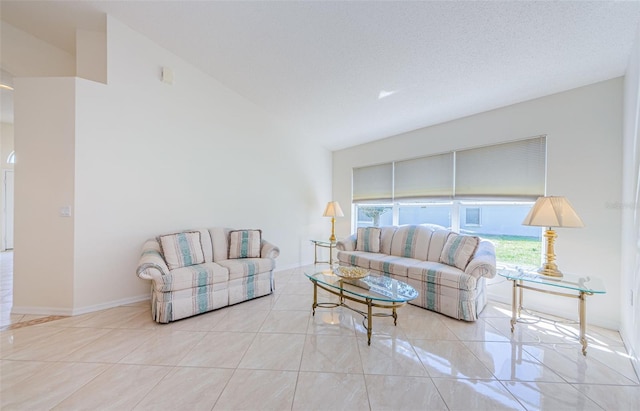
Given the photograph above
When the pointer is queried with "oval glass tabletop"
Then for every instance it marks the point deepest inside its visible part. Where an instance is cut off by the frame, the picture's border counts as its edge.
(372, 287)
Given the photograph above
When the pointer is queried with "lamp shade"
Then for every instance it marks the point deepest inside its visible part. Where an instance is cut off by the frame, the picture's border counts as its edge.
(333, 210)
(552, 212)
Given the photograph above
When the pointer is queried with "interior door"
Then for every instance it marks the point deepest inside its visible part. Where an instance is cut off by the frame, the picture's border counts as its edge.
(8, 209)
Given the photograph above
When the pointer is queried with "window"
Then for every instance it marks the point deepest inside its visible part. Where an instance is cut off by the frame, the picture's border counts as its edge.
(485, 191)
(472, 216)
(501, 223)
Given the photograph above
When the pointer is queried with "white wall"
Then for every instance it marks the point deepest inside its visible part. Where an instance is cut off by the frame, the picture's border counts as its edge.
(25, 55)
(584, 142)
(630, 206)
(153, 158)
(44, 179)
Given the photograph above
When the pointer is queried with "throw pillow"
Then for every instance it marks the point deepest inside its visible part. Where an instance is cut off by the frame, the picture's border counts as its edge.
(458, 250)
(244, 243)
(368, 239)
(182, 249)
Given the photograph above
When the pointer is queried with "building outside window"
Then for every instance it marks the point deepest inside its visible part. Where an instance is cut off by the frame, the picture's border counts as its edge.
(472, 216)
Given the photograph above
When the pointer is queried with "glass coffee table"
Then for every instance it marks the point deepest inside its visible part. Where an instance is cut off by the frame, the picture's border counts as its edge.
(372, 291)
(572, 286)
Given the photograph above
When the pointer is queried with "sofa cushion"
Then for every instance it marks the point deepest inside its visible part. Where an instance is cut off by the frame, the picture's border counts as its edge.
(356, 258)
(411, 241)
(191, 277)
(438, 240)
(368, 239)
(458, 250)
(246, 267)
(244, 243)
(182, 249)
(389, 264)
(441, 275)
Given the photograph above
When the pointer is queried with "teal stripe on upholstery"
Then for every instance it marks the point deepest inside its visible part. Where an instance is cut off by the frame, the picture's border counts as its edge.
(203, 301)
(386, 267)
(464, 307)
(251, 271)
(431, 289)
(244, 244)
(367, 234)
(455, 244)
(185, 251)
(408, 245)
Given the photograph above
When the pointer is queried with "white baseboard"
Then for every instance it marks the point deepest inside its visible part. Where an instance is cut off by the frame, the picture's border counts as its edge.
(110, 304)
(43, 311)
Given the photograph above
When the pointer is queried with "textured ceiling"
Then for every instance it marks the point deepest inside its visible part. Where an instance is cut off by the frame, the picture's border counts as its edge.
(345, 73)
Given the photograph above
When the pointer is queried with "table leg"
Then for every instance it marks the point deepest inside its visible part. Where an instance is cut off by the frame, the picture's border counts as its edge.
(395, 316)
(369, 322)
(514, 304)
(315, 254)
(520, 295)
(583, 322)
(315, 298)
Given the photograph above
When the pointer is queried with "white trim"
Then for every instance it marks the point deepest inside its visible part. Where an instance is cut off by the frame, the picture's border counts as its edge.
(40, 311)
(77, 311)
(111, 304)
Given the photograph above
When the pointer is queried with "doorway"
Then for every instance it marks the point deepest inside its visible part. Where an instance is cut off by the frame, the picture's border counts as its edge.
(8, 209)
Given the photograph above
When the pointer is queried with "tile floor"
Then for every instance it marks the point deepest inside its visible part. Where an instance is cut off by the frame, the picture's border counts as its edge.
(271, 353)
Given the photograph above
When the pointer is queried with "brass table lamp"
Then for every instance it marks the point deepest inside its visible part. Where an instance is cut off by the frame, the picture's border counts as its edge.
(552, 212)
(333, 210)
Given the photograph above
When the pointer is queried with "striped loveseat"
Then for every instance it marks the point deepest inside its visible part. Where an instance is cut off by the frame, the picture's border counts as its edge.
(200, 270)
(448, 270)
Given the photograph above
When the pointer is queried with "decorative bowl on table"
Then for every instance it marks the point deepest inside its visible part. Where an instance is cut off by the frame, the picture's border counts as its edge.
(351, 272)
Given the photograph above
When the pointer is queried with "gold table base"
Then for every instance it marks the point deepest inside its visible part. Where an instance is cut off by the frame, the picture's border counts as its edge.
(516, 307)
(368, 315)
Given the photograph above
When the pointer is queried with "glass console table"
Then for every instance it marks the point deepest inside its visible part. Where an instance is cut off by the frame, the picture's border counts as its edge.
(572, 286)
(372, 291)
(323, 244)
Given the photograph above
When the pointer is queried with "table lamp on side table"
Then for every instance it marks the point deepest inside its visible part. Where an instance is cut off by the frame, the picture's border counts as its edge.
(552, 212)
(333, 210)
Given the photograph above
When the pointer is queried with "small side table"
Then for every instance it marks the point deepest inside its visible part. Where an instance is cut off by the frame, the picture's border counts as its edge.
(323, 244)
(561, 286)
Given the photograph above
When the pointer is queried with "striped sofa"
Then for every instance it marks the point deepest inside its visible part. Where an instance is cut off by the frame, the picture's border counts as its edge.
(200, 270)
(447, 269)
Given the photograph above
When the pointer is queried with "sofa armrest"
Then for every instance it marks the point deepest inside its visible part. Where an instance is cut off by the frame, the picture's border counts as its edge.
(483, 263)
(151, 264)
(268, 250)
(347, 244)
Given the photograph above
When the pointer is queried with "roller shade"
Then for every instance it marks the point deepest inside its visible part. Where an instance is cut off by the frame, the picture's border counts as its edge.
(373, 184)
(510, 170)
(424, 178)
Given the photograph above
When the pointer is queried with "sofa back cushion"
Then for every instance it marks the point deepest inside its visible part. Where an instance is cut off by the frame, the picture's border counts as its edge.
(182, 249)
(386, 237)
(438, 240)
(220, 243)
(244, 243)
(458, 250)
(205, 240)
(368, 239)
(412, 241)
